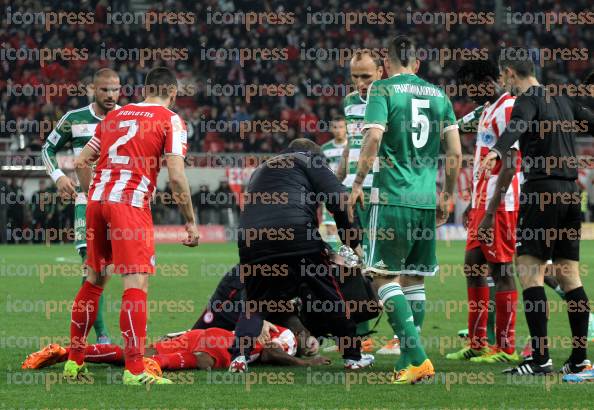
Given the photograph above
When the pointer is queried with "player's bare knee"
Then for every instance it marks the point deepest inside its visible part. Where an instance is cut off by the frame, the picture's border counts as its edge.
(96, 278)
(411, 280)
(567, 274)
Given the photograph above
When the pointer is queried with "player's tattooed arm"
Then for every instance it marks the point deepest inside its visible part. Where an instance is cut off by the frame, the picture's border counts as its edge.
(341, 172)
(371, 142)
(369, 148)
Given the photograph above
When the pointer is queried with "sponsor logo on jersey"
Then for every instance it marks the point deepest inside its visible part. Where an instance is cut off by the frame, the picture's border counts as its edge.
(487, 138)
(53, 138)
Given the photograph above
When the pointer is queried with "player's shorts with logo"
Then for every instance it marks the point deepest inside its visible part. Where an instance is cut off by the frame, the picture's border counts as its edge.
(401, 241)
(550, 220)
(501, 247)
(122, 235)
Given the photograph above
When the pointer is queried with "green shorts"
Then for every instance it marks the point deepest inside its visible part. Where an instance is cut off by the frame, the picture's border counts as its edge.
(401, 241)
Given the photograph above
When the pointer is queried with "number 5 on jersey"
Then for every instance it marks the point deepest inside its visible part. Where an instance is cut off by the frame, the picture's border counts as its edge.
(419, 139)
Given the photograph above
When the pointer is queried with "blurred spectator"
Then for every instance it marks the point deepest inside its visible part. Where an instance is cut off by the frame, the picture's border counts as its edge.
(4, 206)
(43, 208)
(227, 205)
(207, 212)
(16, 209)
(304, 109)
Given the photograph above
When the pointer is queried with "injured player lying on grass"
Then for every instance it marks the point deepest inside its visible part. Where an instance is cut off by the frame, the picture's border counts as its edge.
(194, 349)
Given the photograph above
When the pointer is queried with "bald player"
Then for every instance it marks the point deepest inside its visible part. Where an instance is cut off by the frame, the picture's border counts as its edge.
(74, 130)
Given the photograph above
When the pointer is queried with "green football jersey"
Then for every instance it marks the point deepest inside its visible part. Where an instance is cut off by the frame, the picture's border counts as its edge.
(354, 113)
(413, 114)
(333, 152)
(76, 128)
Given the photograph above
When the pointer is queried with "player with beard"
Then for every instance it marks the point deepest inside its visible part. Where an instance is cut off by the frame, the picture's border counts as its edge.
(74, 130)
(365, 69)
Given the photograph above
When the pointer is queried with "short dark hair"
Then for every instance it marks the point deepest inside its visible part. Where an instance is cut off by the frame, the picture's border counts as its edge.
(477, 71)
(402, 50)
(159, 82)
(518, 59)
(338, 118)
(303, 144)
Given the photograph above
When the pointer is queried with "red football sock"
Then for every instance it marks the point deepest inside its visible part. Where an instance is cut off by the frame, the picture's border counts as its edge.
(133, 327)
(478, 313)
(84, 313)
(176, 361)
(506, 304)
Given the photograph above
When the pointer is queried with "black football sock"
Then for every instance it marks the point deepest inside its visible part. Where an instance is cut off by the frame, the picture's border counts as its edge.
(535, 309)
(247, 331)
(578, 312)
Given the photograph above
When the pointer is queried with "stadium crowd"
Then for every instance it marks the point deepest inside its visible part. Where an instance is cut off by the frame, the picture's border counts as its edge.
(215, 102)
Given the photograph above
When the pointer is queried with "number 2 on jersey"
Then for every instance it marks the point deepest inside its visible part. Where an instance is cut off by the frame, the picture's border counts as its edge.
(419, 139)
(132, 126)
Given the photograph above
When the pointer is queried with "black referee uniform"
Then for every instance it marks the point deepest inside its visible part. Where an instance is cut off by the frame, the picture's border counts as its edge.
(280, 248)
(549, 223)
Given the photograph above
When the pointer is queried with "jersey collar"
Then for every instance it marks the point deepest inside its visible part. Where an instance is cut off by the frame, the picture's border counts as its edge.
(94, 114)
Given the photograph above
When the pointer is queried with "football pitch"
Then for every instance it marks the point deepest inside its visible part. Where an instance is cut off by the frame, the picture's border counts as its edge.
(39, 283)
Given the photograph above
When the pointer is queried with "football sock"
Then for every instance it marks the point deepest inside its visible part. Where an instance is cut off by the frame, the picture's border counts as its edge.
(246, 332)
(578, 312)
(103, 354)
(535, 308)
(415, 295)
(506, 303)
(133, 326)
(401, 319)
(491, 317)
(99, 325)
(176, 361)
(478, 305)
(84, 312)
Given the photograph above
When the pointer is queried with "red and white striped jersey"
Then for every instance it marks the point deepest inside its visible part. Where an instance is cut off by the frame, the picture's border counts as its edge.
(492, 123)
(130, 142)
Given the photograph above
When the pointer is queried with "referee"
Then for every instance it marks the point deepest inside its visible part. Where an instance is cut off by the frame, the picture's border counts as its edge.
(280, 249)
(546, 125)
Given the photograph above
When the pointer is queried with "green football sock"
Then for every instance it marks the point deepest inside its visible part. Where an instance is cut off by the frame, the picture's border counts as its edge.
(415, 295)
(401, 319)
(491, 316)
(363, 328)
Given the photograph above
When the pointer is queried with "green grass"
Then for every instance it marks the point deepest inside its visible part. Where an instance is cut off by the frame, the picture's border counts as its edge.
(35, 310)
